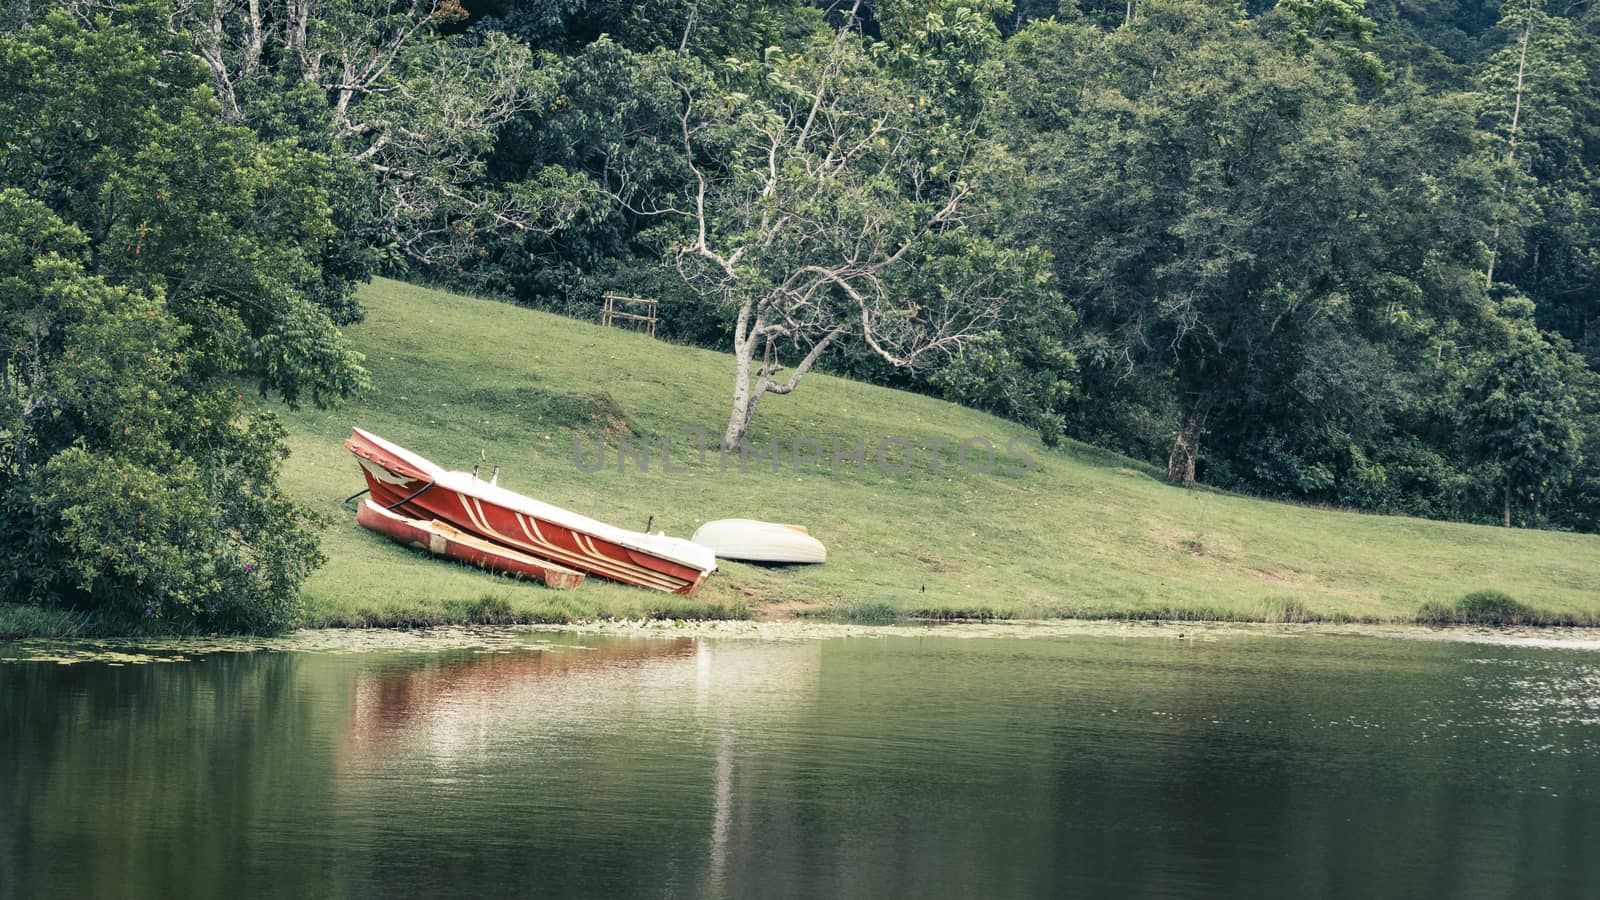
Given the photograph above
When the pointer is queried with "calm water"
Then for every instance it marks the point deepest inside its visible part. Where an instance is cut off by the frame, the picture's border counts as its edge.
(589, 766)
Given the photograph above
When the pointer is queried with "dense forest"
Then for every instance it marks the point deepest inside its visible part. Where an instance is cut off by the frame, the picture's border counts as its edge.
(1324, 250)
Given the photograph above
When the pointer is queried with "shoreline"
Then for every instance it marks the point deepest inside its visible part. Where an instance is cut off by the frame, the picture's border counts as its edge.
(515, 638)
(1580, 637)
(20, 622)
(737, 605)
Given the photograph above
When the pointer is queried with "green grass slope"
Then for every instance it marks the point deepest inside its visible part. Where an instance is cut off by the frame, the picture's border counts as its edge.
(1085, 533)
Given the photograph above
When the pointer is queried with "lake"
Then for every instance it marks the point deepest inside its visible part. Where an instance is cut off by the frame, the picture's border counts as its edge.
(808, 763)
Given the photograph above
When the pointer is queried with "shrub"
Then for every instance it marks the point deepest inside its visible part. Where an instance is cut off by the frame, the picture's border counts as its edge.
(1487, 607)
(1494, 608)
(149, 260)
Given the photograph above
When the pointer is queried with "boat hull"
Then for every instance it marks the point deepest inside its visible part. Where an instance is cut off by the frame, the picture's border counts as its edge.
(442, 539)
(765, 542)
(407, 484)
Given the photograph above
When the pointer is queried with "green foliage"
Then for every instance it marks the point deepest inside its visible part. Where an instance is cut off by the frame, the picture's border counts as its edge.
(489, 609)
(1183, 267)
(1487, 607)
(18, 621)
(1492, 608)
(134, 490)
(1026, 372)
(116, 130)
(708, 29)
(1524, 418)
(1545, 76)
(1578, 507)
(1332, 348)
(941, 48)
(1341, 28)
(678, 608)
(600, 110)
(1436, 613)
(816, 198)
(150, 255)
(1286, 610)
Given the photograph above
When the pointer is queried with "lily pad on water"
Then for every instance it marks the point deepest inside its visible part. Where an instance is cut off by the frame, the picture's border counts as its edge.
(481, 639)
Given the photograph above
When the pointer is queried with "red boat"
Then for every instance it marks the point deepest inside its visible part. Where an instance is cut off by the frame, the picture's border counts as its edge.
(403, 482)
(444, 539)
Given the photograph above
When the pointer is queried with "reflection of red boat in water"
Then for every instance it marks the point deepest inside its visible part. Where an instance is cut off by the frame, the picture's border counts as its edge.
(403, 482)
(443, 539)
(454, 694)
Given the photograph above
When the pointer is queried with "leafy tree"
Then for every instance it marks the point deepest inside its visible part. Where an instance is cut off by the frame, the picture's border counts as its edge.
(1523, 416)
(1541, 97)
(1340, 26)
(1577, 507)
(607, 110)
(1025, 370)
(124, 141)
(941, 48)
(1220, 203)
(406, 112)
(134, 487)
(429, 138)
(150, 256)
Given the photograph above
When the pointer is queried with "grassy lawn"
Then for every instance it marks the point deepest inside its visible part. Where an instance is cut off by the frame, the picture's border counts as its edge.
(1084, 533)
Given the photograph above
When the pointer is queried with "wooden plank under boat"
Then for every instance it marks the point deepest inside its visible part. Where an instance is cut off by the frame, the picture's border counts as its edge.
(443, 539)
(754, 541)
(413, 486)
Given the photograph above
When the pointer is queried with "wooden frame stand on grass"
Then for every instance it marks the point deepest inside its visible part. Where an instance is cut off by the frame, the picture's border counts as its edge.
(610, 313)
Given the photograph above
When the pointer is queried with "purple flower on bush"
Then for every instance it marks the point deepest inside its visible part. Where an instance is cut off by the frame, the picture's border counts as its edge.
(148, 612)
(249, 567)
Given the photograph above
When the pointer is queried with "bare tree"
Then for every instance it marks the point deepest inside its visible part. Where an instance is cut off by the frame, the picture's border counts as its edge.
(810, 207)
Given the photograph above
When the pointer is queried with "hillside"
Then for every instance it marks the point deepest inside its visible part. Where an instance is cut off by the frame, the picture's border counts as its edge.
(1084, 533)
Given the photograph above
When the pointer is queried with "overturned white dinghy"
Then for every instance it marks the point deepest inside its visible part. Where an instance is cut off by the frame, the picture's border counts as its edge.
(753, 541)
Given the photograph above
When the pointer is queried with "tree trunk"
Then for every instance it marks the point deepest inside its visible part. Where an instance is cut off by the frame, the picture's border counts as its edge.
(254, 41)
(1511, 156)
(1508, 504)
(739, 415)
(744, 349)
(747, 396)
(1185, 451)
